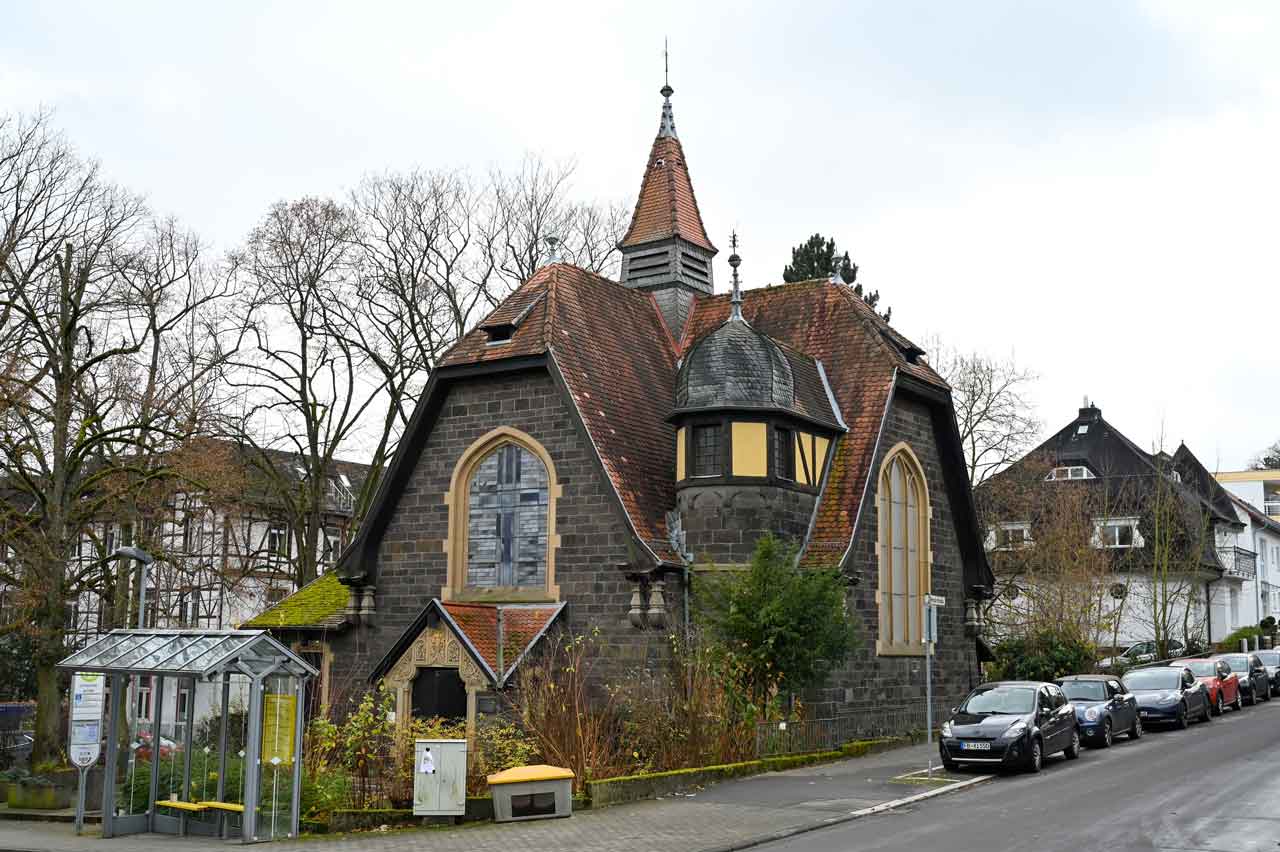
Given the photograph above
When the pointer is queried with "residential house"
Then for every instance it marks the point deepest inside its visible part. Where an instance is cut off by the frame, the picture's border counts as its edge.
(1147, 541)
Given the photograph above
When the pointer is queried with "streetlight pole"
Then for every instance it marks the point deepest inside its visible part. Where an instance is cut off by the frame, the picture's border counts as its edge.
(144, 559)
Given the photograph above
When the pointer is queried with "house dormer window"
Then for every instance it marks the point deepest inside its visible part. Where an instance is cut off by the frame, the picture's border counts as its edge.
(1117, 533)
(1012, 535)
(1069, 472)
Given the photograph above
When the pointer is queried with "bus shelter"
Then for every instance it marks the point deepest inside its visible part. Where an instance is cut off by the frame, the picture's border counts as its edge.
(203, 733)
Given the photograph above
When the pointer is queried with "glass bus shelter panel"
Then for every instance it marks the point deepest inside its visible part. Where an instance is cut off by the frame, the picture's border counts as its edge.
(133, 789)
(278, 763)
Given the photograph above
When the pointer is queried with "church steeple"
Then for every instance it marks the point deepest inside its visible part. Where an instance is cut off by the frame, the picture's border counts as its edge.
(666, 250)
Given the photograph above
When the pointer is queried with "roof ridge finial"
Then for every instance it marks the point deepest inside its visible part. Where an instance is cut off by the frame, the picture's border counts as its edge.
(668, 125)
(735, 311)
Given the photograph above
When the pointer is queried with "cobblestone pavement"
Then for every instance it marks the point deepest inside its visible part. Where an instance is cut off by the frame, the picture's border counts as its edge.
(722, 816)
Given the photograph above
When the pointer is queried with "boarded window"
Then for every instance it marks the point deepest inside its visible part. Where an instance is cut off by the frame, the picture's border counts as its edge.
(507, 520)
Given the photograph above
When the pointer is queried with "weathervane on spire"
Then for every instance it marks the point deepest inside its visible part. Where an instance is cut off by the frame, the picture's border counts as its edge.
(735, 311)
(668, 125)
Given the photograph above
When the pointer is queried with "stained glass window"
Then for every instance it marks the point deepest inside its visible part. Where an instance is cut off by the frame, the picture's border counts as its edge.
(507, 520)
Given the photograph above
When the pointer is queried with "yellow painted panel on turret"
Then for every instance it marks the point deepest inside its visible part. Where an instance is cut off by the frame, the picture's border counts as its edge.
(804, 461)
(750, 453)
(680, 454)
(819, 456)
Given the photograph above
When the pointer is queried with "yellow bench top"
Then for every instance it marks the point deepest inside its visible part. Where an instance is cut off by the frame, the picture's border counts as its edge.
(540, 772)
(225, 806)
(180, 806)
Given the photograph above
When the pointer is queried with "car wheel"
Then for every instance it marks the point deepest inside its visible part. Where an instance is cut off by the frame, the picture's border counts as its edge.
(1035, 756)
(1135, 733)
(1107, 737)
(1266, 694)
(1207, 714)
(1181, 722)
(1218, 706)
(1238, 704)
(1072, 751)
(1252, 699)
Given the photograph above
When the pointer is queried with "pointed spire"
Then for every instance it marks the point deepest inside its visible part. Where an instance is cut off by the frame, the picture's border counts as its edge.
(667, 127)
(735, 311)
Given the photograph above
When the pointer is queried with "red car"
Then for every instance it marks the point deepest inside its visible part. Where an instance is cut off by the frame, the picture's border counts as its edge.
(1223, 684)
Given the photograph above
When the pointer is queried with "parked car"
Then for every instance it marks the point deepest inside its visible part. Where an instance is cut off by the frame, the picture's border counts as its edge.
(1222, 683)
(1254, 681)
(1010, 724)
(1271, 659)
(1137, 654)
(1169, 695)
(1104, 708)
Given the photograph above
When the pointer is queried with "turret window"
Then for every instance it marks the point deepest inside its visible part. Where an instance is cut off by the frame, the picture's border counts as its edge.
(784, 457)
(707, 450)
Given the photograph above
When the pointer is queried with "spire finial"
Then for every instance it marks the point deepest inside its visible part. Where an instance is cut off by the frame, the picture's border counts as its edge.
(735, 311)
(668, 125)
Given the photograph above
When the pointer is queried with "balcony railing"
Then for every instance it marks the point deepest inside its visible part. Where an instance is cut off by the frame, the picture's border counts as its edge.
(1238, 562)
(1271, 507)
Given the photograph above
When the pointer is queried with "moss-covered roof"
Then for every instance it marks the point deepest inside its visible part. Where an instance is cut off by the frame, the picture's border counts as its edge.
(319, 605)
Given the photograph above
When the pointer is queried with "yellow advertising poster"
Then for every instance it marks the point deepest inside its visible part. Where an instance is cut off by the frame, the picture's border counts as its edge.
(279, 721)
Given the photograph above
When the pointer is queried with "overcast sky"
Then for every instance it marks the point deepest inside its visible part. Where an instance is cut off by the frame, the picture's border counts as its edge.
(1089, 186)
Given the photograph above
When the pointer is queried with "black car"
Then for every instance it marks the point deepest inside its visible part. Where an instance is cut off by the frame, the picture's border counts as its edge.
(1255, 684)
(1104, 708)
(1271, 660)
(1010, 724)
(1169, 694)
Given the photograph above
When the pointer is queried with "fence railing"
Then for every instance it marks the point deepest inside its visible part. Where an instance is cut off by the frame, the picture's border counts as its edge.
(804, 735)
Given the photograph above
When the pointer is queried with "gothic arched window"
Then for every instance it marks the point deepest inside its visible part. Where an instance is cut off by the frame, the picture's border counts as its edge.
(507, 501)
(903, 498)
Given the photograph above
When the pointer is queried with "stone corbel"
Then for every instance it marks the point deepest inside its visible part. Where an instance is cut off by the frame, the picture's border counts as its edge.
(367, 610)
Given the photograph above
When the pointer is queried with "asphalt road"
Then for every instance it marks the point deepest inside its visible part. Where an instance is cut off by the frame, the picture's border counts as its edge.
(1213, 787)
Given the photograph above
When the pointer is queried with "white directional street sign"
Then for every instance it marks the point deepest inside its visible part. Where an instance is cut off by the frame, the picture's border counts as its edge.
(935, 601)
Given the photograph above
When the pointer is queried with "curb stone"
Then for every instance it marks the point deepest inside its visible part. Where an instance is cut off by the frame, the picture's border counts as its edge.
(849, 817)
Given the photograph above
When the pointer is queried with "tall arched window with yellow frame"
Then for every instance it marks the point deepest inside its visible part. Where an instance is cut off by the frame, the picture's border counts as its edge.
(904, 552)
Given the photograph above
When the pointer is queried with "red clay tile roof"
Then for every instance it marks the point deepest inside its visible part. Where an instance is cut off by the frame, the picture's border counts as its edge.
(618, 361)
(521, 626)
(666, 206)
(859, 352)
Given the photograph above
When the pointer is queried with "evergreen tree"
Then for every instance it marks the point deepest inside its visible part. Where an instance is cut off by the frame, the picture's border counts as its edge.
(817, 257)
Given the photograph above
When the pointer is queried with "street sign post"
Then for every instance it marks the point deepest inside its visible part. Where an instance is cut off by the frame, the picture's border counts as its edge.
(87, 692)
(932, 603)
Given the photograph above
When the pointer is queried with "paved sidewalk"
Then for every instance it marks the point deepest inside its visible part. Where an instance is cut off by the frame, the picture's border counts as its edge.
(730, 815)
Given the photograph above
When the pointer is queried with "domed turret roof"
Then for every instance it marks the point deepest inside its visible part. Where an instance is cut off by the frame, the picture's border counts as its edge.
(735, 366)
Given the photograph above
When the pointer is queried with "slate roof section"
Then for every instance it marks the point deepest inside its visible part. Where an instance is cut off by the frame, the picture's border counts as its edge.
(1197, 477)
(319, 605)
(830, 323)
(618, 362)
(666, 206)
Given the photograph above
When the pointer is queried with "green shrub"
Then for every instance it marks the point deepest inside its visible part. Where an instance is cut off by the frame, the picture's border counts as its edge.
(324, 793)
(1232, 642)
(1044, 655)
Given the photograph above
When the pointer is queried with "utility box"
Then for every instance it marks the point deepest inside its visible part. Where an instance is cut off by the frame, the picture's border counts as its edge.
(531, 792)
(439, 777)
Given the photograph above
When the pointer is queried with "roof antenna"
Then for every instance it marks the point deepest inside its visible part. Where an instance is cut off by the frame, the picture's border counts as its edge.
(735, 312)
(668, 125)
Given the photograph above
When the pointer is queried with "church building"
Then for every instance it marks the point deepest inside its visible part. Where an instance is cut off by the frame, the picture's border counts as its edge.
(593, 444)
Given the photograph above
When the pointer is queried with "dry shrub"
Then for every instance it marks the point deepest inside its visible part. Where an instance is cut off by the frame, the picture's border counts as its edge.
(573, 717)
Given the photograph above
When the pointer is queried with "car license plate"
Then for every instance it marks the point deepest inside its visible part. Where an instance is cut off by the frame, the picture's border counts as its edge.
(1144, 713)
(975, 746)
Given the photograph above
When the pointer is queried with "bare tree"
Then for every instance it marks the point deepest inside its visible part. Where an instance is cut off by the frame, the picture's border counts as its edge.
(996, 421)
(91, 293)
(301, 377)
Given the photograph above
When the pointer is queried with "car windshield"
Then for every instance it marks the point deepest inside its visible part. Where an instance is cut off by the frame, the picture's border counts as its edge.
(1205, 669)
(1135, 650)
(1153, 679)
(1269, 658)
(1085, 690)
(1001, 699)
(1238, 664)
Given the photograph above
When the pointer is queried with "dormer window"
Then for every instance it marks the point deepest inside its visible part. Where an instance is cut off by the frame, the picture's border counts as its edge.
(1069, 472)
(500, 326)
(499, 333)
